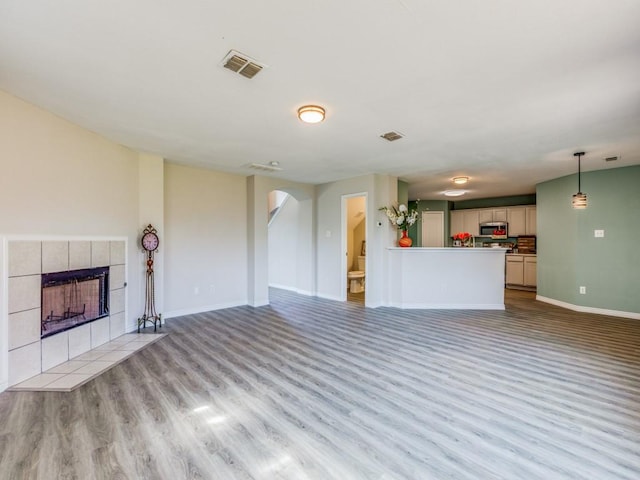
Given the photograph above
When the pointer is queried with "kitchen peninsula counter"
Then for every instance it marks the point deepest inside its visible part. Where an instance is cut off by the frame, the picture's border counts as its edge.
(446, 278)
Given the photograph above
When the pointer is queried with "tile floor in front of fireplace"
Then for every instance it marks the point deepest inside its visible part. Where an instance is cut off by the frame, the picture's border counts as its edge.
(76, 372)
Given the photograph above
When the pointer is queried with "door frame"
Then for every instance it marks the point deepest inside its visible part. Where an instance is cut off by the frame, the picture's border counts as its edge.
(344, 268)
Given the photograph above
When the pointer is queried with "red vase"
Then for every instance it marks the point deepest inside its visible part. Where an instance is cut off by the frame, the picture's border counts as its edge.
(405, 240)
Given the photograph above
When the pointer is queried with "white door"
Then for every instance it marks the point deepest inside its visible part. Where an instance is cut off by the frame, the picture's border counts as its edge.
(433, 229)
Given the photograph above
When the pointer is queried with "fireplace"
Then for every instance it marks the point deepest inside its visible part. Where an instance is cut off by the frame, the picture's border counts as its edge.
(73, 298)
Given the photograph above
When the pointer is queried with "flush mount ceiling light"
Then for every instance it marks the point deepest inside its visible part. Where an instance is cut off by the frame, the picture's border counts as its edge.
(579, 200)
(311, 114)
(454, 193)
(460, 180)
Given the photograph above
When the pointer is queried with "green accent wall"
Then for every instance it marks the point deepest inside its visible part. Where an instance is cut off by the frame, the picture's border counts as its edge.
(415, 232)
(495, 202)
(569, 256)
(403, 192)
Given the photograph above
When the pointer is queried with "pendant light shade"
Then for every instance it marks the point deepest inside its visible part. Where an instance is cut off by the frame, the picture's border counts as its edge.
(579, 200)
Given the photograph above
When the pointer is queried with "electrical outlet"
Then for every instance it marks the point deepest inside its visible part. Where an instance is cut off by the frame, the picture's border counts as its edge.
(583, 290)
(598, 233)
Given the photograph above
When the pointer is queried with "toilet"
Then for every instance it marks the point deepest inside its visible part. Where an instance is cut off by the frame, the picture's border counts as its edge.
(356, 277)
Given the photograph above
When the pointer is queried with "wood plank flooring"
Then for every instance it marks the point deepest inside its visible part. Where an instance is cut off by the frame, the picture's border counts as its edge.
(307, 388)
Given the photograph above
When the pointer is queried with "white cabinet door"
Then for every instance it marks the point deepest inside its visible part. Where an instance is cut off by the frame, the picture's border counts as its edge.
(530, 271)
(515, 270)
(485, 215)
(471, 222)
(499, 215)
(516, 218)
(530, 220)
(457, 222)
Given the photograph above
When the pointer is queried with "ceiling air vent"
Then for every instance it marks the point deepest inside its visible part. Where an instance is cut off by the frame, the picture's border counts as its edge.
(271, 167)
(611, 159)
(242, 64)
(392, 136)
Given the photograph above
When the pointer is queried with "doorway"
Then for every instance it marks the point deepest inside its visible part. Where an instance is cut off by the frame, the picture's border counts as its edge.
(354, 242)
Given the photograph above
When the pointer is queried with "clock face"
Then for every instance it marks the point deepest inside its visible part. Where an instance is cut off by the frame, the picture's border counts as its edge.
(150, 241)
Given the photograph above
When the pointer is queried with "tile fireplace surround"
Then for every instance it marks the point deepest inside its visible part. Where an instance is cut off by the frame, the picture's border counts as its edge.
(30, 355)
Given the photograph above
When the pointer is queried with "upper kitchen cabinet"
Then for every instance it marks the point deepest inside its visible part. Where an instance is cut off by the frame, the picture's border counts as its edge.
(499, 214)
(457, 222)
(521, 220)
(464, 221)
(530, 219)
(471, 222)
(492, 215)
(517, 220)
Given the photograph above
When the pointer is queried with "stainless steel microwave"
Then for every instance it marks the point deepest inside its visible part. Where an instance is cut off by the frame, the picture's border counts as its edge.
(494, 229)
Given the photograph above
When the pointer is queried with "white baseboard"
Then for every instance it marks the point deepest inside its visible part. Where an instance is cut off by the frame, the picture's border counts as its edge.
(329, 297)
(451, 306)
(292, 289)
(201, 309)
(580, 308)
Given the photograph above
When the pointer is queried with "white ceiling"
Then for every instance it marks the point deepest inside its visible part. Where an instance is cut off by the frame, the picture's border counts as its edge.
(503, 91)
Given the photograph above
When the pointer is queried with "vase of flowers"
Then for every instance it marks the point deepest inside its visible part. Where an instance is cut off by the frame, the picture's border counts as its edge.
(462, 239)
(401, 218)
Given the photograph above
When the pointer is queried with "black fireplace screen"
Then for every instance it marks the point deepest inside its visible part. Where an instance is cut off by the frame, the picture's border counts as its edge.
(73, 298)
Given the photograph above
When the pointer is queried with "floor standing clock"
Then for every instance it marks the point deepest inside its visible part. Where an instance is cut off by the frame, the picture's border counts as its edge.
(150, 243)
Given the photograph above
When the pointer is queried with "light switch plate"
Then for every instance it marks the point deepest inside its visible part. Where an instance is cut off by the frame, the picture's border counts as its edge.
(598, 233)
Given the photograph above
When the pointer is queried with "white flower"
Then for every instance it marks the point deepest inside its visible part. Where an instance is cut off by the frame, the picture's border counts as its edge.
(400, 217)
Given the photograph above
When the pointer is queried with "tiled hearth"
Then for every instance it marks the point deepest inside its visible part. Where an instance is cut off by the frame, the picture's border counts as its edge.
(29, 355)
(71, 374)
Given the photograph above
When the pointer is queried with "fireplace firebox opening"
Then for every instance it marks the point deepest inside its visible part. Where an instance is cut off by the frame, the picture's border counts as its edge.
(73, 298)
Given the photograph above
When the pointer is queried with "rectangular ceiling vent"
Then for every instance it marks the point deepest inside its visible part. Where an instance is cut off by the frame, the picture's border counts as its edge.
(392, 136)
(611, 159)
(265, 168)
(242, 64)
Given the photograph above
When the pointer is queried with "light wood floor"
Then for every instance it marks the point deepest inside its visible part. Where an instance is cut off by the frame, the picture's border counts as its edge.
(313, 389)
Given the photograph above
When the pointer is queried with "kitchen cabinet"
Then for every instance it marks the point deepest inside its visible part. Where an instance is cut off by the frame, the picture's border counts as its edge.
(517, 220)
(471, 223)
(521, 270)
(499, 215)
(530, 220)
(492, 215)
(485, 215)
(456, 222)
(515, 270)
(521, 219)
(530, 271)
(464, 221)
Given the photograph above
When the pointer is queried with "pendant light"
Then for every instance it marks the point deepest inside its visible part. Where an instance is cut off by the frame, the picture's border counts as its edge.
(579, 200)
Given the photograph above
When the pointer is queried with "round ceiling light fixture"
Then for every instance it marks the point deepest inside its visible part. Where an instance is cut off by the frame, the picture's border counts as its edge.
(311, 114)
(460, 180)
(454, 193)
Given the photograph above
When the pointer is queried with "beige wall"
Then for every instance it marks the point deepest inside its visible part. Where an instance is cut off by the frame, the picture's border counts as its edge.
(205, 241)
(59, 180)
